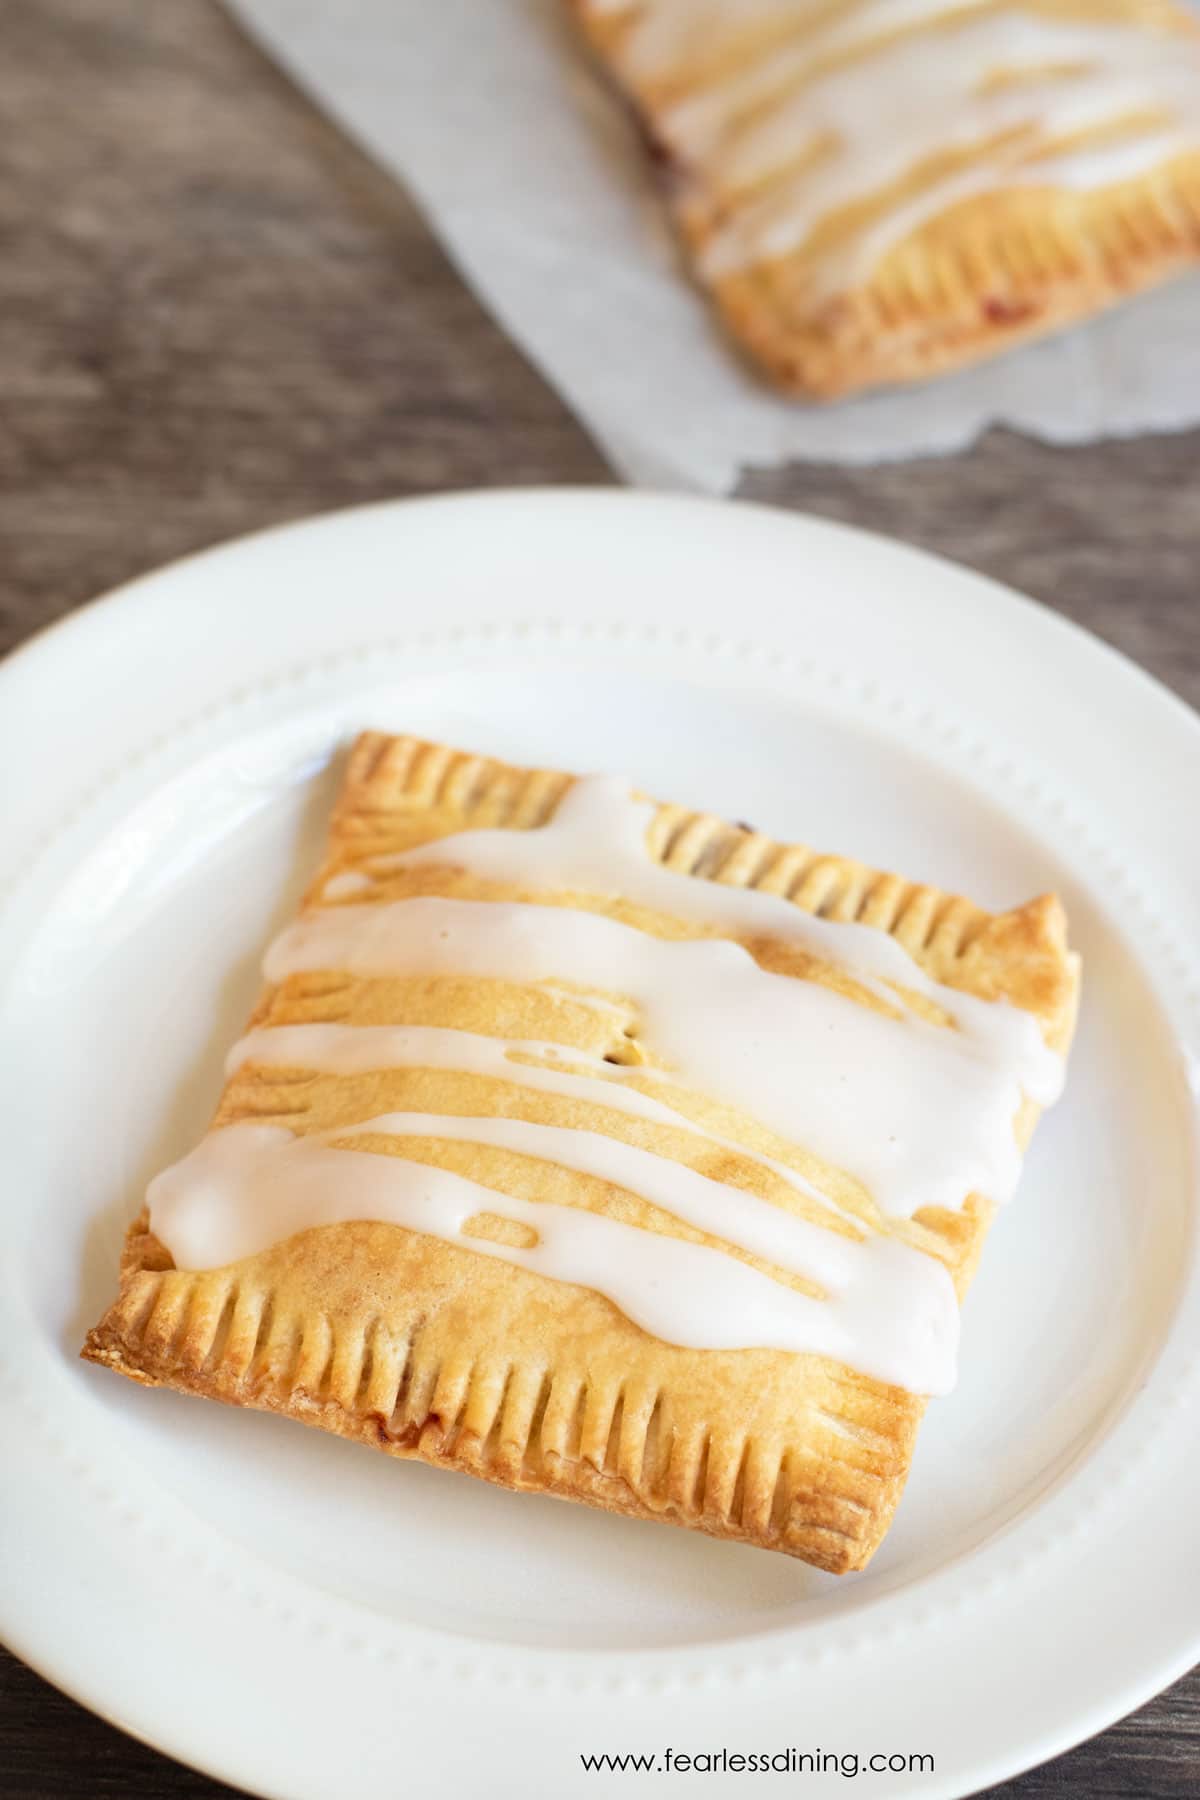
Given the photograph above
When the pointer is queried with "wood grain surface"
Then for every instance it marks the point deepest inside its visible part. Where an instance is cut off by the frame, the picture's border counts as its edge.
(215, 314)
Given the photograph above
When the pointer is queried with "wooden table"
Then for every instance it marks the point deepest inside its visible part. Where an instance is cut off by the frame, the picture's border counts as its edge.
(216, 315)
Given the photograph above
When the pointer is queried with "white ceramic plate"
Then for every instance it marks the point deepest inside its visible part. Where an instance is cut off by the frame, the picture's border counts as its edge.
(308, 1620)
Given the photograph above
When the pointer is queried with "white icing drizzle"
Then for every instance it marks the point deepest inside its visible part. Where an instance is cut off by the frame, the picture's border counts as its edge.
(922, 1114)
(888, 1310)
(596, 845)
(911, 1110)
(349, 881)
(918, 82)
(358, 1049)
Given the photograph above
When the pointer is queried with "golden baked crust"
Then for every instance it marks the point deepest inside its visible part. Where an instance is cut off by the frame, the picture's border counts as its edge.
(1021, 240)
(425, 1348)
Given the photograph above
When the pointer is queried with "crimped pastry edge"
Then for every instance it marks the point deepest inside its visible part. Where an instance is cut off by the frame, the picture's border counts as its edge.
(179, 1330)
